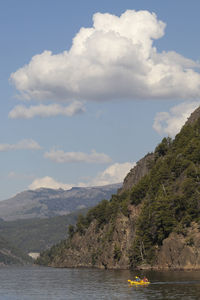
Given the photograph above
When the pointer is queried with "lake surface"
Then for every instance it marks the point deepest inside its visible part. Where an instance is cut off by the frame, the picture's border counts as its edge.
(38, 283)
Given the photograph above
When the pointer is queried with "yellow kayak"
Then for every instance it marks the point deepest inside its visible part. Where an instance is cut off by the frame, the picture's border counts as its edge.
(141, 282)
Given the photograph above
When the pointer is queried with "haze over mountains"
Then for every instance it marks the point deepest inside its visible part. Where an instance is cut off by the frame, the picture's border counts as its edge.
(46, 203)
(34, 220)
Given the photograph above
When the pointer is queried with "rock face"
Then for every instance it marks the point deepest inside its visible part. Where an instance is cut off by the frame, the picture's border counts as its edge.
(105, 248)
(181, 252)
(178, 252)
(136, 173)
(193, 117)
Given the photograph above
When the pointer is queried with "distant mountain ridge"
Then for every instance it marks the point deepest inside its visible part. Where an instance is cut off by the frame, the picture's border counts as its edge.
(45, 202)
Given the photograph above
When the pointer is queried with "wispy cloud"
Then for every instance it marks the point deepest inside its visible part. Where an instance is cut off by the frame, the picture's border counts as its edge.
(26, 144)
(113, 59)
(115, 173)
(48, 182)
(170, 123)
(23, 112)
(60, 156)
(19, 176)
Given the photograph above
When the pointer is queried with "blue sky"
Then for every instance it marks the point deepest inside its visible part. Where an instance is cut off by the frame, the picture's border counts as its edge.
(83, 114)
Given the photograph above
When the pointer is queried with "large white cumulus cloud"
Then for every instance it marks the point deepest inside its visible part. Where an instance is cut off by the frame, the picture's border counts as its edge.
(114, 59)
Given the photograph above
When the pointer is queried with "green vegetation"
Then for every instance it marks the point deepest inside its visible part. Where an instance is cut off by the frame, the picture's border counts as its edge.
(55, 251)
(35, 235)
(169, 194)
(168, 198)
(105, 212)
(117, 252)
(9, 254)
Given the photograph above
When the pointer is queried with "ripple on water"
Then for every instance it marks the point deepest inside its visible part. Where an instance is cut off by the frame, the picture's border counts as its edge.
(38, 283)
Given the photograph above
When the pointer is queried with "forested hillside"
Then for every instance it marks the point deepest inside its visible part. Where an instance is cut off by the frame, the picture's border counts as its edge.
(134, 227)
(36, 235)
(33, 221)
(10, 255)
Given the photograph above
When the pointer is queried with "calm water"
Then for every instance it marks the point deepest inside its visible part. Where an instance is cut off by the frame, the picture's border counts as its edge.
(35, 283)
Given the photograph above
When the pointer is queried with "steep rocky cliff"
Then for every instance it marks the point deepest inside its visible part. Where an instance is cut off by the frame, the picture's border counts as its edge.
(153, 221)
(137, 172)
(181, 251)
(105, 247)
(193, 117)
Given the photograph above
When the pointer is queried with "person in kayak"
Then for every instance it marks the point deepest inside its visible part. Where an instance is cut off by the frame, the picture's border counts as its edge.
(145, 279)
(137, 279)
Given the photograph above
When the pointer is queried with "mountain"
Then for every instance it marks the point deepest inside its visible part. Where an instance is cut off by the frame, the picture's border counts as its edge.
(45, 203)
(36, 235)
(152, 222)
(10, 255)
(35, 220)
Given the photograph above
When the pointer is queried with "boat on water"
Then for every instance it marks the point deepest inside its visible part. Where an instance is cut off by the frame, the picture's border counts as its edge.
(141, 282)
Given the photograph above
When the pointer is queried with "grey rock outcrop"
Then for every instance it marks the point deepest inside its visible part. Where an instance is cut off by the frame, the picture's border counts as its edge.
(105, 248)
(136, 173)
(194, 116)
(180, 251)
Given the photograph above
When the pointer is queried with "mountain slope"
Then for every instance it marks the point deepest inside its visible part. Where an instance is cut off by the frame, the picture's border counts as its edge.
(147, 225)
(44, 203)
(36, 235)
(10, 255)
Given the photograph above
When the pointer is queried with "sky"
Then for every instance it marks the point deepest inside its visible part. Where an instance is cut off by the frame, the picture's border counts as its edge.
(89, 87)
